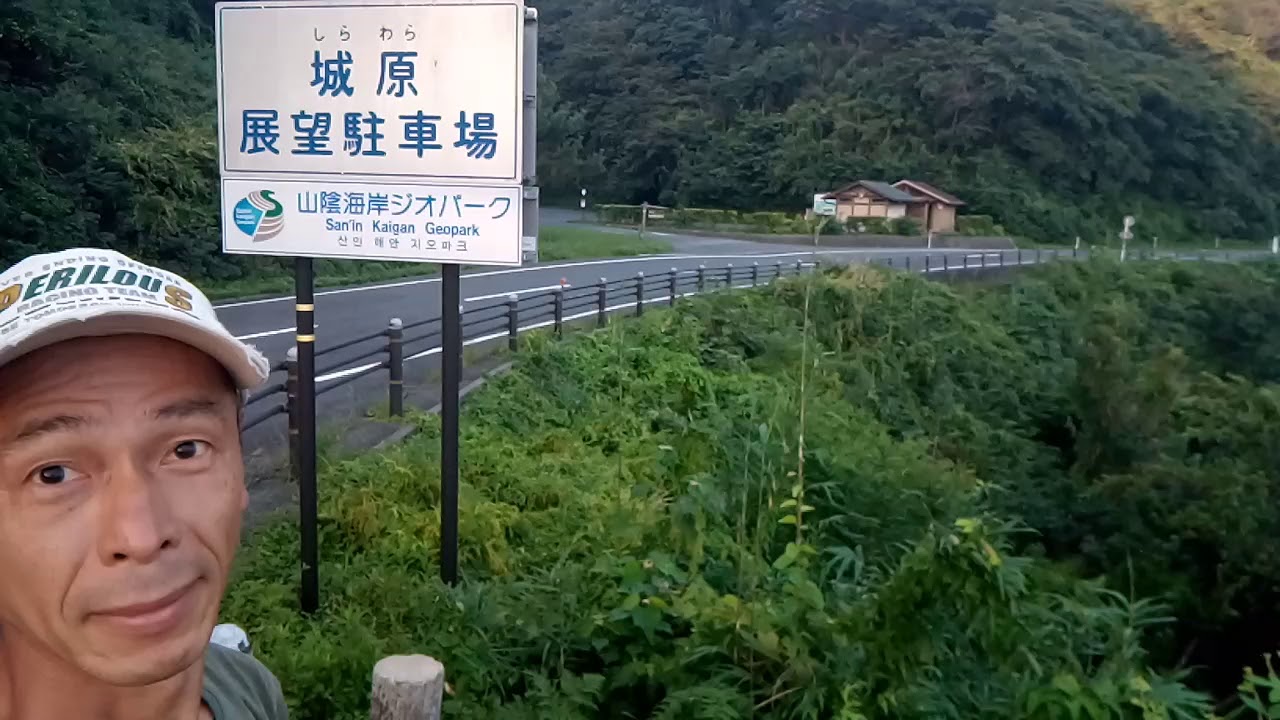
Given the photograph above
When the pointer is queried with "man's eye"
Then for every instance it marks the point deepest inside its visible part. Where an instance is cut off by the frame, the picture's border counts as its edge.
(189, 449)
(54, 474)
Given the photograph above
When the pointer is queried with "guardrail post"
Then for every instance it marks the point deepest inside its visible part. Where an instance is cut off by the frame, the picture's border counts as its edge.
(702, 279)
(983, 261)
(926, 264)
(1019, 257)
(1039, 255)
(1000, 259)
(639, 294)
(291, 398)
(728, 281)
(755, 274)
(407, 687)
(395, 352)
(675, 274)
(778, 266)
(513, 322)
(966, 262)
(799, 267)
(559, 312)
(602, 304)
(907, 259)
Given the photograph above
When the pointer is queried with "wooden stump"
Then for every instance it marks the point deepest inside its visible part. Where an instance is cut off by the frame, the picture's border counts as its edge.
(407, 687)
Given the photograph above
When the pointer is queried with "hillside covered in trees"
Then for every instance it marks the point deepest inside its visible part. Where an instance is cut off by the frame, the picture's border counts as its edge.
(1055, 116)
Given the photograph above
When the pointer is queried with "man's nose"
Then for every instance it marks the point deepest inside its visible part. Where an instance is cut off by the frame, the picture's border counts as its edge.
(136, 520)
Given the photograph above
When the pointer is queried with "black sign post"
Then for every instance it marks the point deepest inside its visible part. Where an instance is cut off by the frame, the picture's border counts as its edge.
(451, 377)
(305, 299)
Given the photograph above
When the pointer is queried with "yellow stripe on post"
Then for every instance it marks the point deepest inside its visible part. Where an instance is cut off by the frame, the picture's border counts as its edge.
(305, 307)
(306, 338)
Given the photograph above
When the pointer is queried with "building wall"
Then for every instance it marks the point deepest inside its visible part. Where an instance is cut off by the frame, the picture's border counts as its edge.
(853, 208)
(944, 218)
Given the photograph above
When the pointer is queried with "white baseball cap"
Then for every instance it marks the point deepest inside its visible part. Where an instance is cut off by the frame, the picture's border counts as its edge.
(87, 292)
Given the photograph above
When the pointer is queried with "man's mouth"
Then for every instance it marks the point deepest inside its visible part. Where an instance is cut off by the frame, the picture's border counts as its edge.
(153, 616)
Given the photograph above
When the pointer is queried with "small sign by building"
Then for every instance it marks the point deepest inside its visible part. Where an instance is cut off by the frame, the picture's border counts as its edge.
(824, 207)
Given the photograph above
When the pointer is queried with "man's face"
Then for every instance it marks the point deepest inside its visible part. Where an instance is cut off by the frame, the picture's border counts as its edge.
(121, 495)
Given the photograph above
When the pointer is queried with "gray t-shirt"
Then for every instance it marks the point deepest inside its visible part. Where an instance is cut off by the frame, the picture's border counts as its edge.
(238, 687)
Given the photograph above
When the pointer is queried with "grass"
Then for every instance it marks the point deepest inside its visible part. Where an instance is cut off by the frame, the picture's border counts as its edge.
(328, 273)
(569, 243)
(556, 243)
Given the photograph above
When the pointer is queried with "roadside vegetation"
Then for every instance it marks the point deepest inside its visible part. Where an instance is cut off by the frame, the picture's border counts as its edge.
(861, 495)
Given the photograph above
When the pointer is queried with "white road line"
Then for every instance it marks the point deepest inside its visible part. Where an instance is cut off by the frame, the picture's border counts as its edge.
(269, 333)
(478, 298)
(590, 263)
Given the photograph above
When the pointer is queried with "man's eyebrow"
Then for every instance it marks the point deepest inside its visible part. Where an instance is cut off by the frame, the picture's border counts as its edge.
(189, 408)
(49, 425)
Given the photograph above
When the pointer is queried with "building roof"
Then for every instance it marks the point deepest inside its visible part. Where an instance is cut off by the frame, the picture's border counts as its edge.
(882, 189)
(925, 188)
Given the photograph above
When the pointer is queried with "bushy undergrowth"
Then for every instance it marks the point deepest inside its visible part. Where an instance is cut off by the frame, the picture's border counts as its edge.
(856, 496)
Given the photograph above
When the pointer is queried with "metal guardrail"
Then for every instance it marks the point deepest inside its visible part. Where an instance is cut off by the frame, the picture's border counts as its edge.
(522, 313)
(507, 319)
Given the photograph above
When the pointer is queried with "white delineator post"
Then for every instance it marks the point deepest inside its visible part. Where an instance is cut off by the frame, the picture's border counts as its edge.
(407, 687)
(1275, 245)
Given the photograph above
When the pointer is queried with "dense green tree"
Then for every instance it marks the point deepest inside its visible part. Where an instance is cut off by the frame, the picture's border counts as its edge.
(1057, 116)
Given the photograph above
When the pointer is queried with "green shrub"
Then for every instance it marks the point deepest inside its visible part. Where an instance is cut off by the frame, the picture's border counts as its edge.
(770, 222)
(704, 218)
(869, 225)
(619, 214)
(829, 226)
(978, 226)
(905, 226)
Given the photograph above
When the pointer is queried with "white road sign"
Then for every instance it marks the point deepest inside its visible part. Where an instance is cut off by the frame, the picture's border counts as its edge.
(350, 129)
(463, 224)
(423, 90)
(823, 206)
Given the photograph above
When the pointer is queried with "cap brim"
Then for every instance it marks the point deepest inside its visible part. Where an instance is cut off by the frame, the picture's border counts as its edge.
(247, 367)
